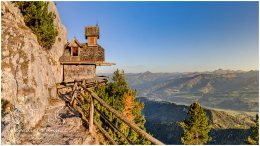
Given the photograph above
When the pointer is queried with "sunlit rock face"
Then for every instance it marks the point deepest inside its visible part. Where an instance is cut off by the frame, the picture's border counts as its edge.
(29, 72)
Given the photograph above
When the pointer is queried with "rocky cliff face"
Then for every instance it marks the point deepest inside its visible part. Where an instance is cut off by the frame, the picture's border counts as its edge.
(29, 72)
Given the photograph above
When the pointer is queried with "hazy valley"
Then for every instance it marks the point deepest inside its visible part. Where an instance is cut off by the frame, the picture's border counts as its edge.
(230, 98)
(221, 89)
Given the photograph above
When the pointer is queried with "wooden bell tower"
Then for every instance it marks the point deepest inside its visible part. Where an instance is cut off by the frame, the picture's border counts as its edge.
(80, 60)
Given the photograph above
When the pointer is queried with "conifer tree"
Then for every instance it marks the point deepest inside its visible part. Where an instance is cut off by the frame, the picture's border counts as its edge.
(40, 20)
(118, 95)
(196, 127)
(254, 138)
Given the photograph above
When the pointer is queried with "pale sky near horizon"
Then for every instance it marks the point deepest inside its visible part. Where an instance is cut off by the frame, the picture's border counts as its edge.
(169, 36)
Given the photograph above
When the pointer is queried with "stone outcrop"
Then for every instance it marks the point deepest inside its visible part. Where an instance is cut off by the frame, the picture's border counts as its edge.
(29, 72)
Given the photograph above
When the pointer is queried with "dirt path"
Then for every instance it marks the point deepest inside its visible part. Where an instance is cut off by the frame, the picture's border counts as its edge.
(60, 125)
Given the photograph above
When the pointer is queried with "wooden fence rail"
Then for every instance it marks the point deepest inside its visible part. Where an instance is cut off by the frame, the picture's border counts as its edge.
(113, 126)
(120, 116)
(83, 112)
(78, 96)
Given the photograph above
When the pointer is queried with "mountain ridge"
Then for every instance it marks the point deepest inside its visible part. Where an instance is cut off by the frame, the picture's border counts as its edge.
(216, 89)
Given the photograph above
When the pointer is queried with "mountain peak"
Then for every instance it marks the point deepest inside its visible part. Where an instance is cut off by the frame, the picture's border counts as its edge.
(222, 71)
(147, 72)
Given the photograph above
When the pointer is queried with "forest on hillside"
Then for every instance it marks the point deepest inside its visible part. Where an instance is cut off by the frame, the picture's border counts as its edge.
(163, 121)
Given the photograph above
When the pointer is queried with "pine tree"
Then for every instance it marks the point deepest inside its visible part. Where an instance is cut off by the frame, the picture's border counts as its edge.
(254, 138)
(118, 95)
(196, 127)
(40, 20)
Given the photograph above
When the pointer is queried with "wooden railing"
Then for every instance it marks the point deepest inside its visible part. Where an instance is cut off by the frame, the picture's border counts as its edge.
(80, 91)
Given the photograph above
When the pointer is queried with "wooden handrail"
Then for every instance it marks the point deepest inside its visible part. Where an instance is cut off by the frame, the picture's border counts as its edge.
(121, 117)
(81, 110)
(114, 127)
(105, 133)
(108, 121)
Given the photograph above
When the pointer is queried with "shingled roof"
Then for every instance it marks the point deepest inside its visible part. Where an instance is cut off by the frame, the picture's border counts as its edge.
(87, 54)
(92, 31)
(74, 43)
(84, 53)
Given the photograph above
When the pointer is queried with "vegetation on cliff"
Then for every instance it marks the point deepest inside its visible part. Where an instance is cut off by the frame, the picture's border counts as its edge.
(197, 127)
(37, 17)
(118, 95)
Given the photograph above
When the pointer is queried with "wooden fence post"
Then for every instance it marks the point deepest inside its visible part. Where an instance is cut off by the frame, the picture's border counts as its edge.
(73, 92)
(91, 114)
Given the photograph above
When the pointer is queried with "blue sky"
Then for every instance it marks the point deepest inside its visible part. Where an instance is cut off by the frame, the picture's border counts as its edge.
(169, 36)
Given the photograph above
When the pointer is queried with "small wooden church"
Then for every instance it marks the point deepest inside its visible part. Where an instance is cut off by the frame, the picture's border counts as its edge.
(80, 60)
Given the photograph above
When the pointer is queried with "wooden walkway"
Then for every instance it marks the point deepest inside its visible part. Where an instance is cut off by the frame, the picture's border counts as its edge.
(79, 90)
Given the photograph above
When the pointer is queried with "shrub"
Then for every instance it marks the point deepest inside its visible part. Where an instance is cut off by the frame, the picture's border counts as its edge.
(4, 105)
(37, 17)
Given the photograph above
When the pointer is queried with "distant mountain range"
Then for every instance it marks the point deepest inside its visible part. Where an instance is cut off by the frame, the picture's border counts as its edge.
(162, 121)
(230, 99)
(223, 89)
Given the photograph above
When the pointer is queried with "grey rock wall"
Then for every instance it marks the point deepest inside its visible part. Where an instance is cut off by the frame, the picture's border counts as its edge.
(29, 72)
